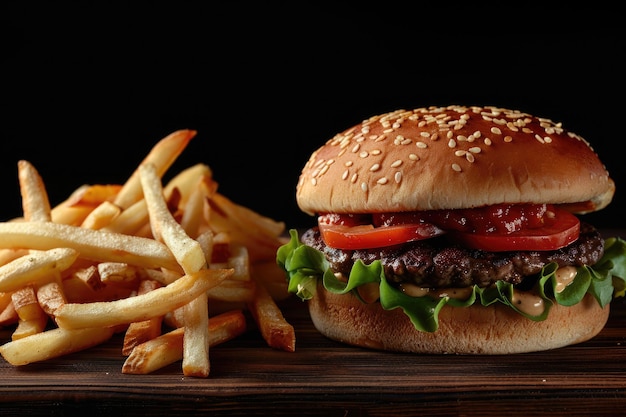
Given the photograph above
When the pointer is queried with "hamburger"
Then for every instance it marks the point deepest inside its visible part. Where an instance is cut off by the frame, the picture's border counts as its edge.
(456, 230)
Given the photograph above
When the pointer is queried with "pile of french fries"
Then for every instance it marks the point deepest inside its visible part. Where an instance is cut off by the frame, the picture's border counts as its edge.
(174, 267)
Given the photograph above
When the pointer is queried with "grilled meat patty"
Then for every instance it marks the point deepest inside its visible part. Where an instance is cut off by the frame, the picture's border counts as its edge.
(436, 263)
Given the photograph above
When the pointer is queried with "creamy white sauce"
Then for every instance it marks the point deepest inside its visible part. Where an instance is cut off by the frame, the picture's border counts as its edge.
(564, 276)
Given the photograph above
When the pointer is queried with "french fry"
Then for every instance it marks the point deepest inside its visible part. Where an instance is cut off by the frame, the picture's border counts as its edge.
(35, 267)
(196, 338)
(92, 195)
(142, 331)
(52, 343)
(186, 180)
(35, 202)
(261, 235)
(186, 250)
(8, 315)
(161, 156)
(5, 299)
(51, 296)
(7, 255)
(276, 331)
(130, 221)
(233, 290)
(31, 317)
(91, 244)
(141, 307)
(25, 303)
(272, 277)
(192, 213)
(168, 348)
(119, 273)
(101, 216)
(190, 256)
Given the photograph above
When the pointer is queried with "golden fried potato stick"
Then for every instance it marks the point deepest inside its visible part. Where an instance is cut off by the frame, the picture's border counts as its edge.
(141, 307)
(260, 234)
(165, 228)
(92, 195)
(161, 156)
(131, 220)
(101, 216)
(51, 296)
(52, 343)
(192, 212)
(233, 290)
(31, 317)
(36, 208)
(91, 244)
(35, 267)
(189, 254)
(186, 181)
(168, 348)
(276, 331)
(8, 315)
(35, 203)
(142, 331)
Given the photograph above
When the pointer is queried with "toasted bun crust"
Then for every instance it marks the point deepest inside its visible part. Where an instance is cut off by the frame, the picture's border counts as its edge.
(449, 158)
(462, 330)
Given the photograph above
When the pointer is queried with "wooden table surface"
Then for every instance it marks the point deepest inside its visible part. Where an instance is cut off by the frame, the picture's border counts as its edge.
(324, 377)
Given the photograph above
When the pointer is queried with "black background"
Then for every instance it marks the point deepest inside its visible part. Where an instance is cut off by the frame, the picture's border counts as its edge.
(88, 89)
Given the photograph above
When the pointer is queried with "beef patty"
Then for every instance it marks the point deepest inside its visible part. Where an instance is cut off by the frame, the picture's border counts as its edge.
(436, 263)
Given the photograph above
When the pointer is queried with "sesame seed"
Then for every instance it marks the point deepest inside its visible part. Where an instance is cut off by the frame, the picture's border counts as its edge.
(421, 145)
(364, 186)
(396, 163)
(451, 143)
(456, 167)
(375, 167)
(354, 178)
(508, 139)
(364, 154)
(382, 180)
(414, 157)
(474, 149)
(397, 177)
(496, 131)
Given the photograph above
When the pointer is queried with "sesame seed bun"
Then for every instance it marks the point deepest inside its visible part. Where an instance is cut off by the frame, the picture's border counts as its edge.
(476, 329)
(438, 158)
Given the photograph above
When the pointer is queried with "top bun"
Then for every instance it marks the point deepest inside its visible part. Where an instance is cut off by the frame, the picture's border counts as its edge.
(452, 158)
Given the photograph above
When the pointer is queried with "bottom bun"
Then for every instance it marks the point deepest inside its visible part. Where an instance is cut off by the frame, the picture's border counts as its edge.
(496, 329)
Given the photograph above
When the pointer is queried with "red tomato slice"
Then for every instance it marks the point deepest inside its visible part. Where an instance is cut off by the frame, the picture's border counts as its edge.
(369, 237)
(561, 232)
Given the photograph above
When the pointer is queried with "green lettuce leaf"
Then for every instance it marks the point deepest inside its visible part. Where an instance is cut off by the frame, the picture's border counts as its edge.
(304, 266)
